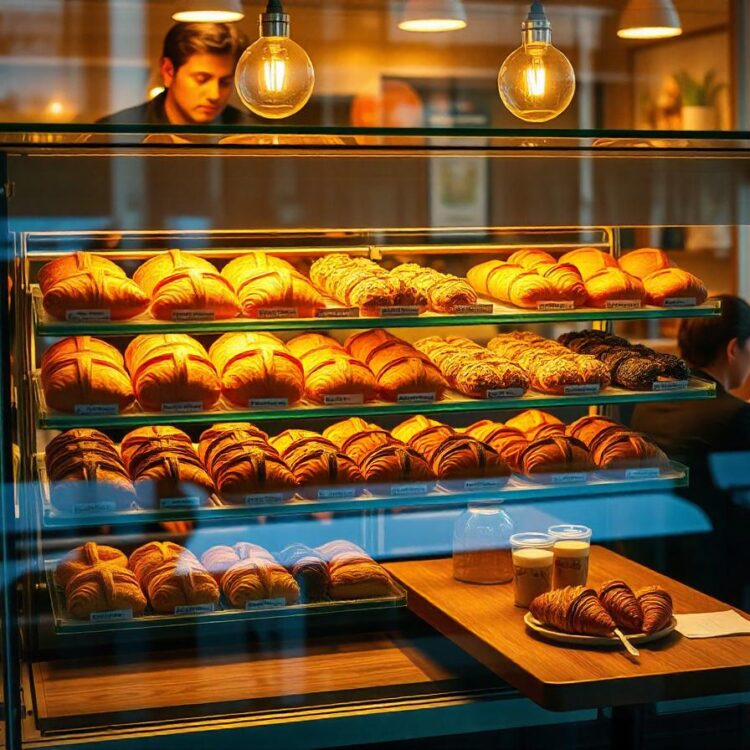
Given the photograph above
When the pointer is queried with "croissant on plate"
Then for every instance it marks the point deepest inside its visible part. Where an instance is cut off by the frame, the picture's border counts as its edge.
(670, 283)
(444, 292)
(644, 262)
(464, 457)
(103, 589)
(656, 605)
(309, 570)
(257, 366)
(589, 261)
(507, 441)
(395, 463)
(557, 454)
(573, 609)
(79, 262)
(140, 436)
(218, 559)
(177, 282)
(619, 600)
(89, 555)
(95, 290)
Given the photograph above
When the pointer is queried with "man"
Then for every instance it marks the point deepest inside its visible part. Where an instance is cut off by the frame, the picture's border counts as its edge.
(197, 68)
(696, 432)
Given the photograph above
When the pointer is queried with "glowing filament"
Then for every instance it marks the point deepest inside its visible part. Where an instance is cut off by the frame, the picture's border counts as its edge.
(536, 79)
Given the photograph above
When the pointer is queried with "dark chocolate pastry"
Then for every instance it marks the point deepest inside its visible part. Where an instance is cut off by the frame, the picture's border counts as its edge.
(308, 569)
(636, 374)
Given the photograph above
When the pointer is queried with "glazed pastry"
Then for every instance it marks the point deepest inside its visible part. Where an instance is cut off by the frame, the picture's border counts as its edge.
(167, 474)
(175, 374)
(95, 290)
(177, 282)
(219, 559)
(673, 282)
(643, 262)
(256, 366)
(89, 555)
(103, 589)
(394, 463)
(444, 292)
(619, 600)
(529, 422)
(79, 262)
(612, 284)
(146, 435)
(507, 441)
(589, 261)
(464, 457)
(656, 605)
(309, 570)
(555, 455)
(573, 609)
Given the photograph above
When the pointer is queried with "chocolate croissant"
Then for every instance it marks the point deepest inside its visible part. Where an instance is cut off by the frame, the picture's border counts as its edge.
(620, 601)
(464, 457)
(89, 555)
(103, 589)
(618, 448)
(573, 609)
(656, 605)
(309, 570)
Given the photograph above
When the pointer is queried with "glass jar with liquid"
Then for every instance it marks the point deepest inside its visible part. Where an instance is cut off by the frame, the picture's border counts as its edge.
(481, 545)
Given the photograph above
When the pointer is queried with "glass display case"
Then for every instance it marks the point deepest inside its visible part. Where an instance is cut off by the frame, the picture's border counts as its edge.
(358, 665)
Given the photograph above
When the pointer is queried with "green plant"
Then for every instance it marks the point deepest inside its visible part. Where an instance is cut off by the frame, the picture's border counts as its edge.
(699, 94)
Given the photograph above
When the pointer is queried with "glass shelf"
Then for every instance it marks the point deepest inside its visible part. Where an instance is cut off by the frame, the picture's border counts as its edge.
(452, 402)
(516, 491)
(500, 315)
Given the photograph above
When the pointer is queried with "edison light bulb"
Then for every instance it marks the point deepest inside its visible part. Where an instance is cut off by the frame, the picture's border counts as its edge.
(274, 76)
(536, 81)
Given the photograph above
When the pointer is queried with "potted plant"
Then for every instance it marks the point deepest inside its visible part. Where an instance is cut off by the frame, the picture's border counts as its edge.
(699, 100)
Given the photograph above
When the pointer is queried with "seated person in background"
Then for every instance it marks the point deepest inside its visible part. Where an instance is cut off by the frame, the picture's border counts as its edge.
(717, 349)
(197, 68)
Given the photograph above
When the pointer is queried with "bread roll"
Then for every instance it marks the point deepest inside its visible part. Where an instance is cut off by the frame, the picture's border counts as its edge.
(104, 589)
(613, 284)
(589, 261)
(89, 555)
(643, 262)
(79, 262)
(673, 283)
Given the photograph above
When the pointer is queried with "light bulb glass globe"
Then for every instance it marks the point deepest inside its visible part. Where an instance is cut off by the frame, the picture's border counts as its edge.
(274, 77)
(536, 82)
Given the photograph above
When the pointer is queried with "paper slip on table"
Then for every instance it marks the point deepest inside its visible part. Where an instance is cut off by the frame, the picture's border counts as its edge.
(484, 622)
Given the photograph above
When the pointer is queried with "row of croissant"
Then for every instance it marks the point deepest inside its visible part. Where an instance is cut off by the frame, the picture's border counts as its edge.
(175, 284)
(166, 576)
(246, 368)
(241, 462)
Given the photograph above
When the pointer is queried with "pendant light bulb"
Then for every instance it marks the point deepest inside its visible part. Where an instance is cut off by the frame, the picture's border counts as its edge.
(208, 11)
(649, 19)
(274, 77)
(536, 81)
(433, 15)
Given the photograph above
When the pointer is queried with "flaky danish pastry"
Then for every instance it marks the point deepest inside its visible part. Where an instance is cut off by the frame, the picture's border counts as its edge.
(248, 263)
(104, 589)
(586, 429)
(620, 449)
(88, 481)
(332, 374)
(154, 270)
(620, 601)
(89, 555)
(359, 580)
(255, 580)
(218, 441)
(189, 292)
(531, 257)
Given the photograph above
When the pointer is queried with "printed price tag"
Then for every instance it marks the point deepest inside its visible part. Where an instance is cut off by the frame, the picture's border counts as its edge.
(398, 311)
(94, 410)
(111, 616)
(582, 390)
(260, 603)
(680, 302)
(85, 316)
(556, 305)
(276, 497)
(180, 407)
(415, 398)
(498, 393)
(622, 304)
(268, 403)
(194, 609)
(335, 399)
(270, 313)
(338, 312)
(483, 484)
(479, 309)
(105, 506)
(336, 493)
(670, 385)
(180, 502)
(570, 478)
(652, 472)
(188, 315)
(399, 490)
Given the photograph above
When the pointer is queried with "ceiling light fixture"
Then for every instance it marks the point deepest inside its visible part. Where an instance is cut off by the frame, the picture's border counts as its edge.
(433, 15)
(649, 19)
(208, 11)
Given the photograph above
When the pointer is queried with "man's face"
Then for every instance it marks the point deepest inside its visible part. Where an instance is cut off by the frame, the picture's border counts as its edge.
(199, 90)
(739, 362)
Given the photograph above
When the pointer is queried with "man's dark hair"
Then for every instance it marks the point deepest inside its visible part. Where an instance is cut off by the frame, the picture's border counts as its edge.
(703, 340)
(184, 40)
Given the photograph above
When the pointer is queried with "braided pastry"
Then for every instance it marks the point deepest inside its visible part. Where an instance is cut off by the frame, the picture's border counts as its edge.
(573, 609)
(656, 605)
(444, 292)
(619, 600)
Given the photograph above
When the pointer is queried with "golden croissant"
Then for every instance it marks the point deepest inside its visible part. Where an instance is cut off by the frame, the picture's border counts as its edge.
(573, 609)
(217, 560)
(276, 288)
(258, 579)
(79, 262)
(656, 605)
(80, 344)
(152, 555)
(180, 583)
(145, 435)
(89, 555)
(620, 601)
(103, 589)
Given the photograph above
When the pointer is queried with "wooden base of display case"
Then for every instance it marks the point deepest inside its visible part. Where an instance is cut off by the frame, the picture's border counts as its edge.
(484, 621)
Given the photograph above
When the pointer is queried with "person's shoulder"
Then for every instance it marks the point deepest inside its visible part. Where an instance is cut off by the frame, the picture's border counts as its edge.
(131, 116)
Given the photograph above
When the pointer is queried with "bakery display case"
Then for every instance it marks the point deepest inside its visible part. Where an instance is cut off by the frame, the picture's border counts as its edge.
(240, 367)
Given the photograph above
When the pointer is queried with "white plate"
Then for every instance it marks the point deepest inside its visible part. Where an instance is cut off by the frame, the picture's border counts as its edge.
(593, 640)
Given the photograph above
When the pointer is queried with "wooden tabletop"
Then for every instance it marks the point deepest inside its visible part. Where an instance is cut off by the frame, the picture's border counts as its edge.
(484, 622)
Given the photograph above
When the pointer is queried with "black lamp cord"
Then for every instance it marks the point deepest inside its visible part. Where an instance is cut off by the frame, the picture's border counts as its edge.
(274, 6)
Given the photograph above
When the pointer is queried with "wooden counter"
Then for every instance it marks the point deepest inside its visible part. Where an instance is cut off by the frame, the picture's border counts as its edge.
(484, 622)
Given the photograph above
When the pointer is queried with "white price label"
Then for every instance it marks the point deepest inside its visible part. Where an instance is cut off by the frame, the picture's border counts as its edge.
(338, 312)
(276, 497)
(622, 304)
(180, 407)
(111, 615)
(680, 302)
(670, 385)
(194, 609)
(398, 311)
(483, 484)
(271, 313)
(582, 390)
(336, 493)
(652, 472)
(479, 309)
(190, 315)
(95, 507)
(260, 603)
(268, 403)
(498, 393)
(569, 478)
(566, 304)
(176, 503)
(415, 398)
(85, 316)
(399, 490)
(335, 399)
(94, 410)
